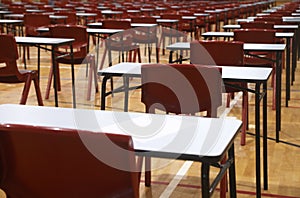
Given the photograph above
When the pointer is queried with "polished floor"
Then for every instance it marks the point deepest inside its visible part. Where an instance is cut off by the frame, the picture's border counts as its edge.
(181, 178)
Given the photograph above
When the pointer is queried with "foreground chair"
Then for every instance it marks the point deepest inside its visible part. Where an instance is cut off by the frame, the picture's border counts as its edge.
(227, 54)
(180, 89)
(45, 162)
(10, 72)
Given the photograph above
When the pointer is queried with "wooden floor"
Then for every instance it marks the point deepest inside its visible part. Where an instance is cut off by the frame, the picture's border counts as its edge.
(180, 178)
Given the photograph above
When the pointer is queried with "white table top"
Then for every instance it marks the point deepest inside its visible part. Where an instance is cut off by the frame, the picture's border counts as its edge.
(85, 14)
(291, 19)
(42, 40)
(111, 12)
(247, 46)
(191, 135)
(167, 21)
(10, 21)
(103, 31)
(237, 26)
(231, 34)
(248, 74)
(98, 24)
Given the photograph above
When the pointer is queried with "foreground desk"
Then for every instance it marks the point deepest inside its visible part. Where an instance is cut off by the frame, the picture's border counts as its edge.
(209, 140)
(250, 47)
(257, 75)
(39, 42)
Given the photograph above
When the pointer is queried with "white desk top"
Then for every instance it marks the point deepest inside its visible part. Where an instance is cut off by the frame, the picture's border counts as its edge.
(85, 14)
(98, 24)
(248, 74)
(42, 40)
(291, 19)
(103, 31)
(231, 34)
(237, 26)
(247, 46)
(196, 136)
(10, 21)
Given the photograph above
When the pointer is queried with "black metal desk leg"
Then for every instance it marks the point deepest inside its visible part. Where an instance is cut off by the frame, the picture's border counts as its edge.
(265, 137)
(103, 91)
(54, 75)
(126, 92)
(73, 76)
(232, 178)
(257, 139)
(205, 180)
(278, 94)
(171, 57)
(39, 62)
(288, 72)
(294, 57)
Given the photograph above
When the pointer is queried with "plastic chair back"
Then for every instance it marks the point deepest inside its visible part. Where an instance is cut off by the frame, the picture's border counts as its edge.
(8, 55)
(257, 25)
(32, 21)
(255, 35)
(44, 162)
(181, 88)
(212, 52)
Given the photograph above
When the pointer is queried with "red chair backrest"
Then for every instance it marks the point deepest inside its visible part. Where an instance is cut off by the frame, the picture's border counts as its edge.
(181, 88)
(32, 21)
(77, 32)
(8, 55)
(43, 162)
(255, 35)
(143, 19)
(211, 52)
(257, 25)
(116, 24)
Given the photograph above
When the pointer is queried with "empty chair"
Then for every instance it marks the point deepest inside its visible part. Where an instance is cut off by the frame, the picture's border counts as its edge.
(46, 162)
(33, 21)
(180, 89)
(71, 18)
(252, 58)
(224, 53)
(146, 35)
(171, 30)
(80, 54)
(121, 42)
(257, 25)
(9, 73)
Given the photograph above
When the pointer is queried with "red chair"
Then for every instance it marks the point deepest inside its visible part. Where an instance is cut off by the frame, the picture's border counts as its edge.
(45, 162)
(80, 53)
(11, 74)
(180, 89)
(33, 21)
(210, 52)
(121, 42)
(145, 35)
(173, 31)
(257, 25)
(71, 18)
(259, 36)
